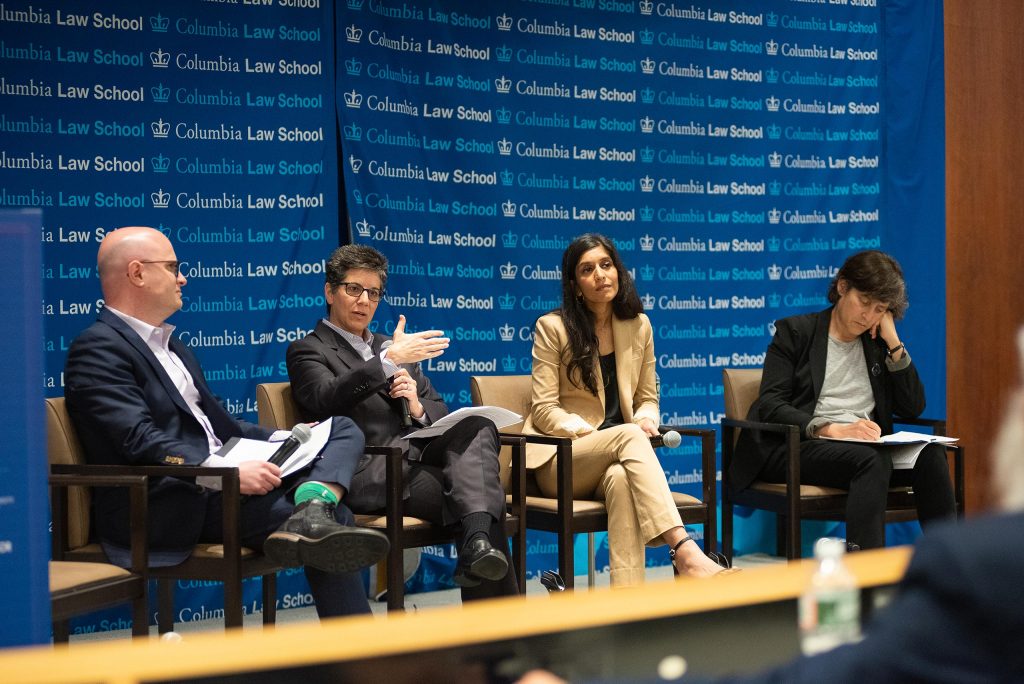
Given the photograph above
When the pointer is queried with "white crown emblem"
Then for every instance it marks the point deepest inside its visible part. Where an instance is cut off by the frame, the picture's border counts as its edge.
(646, 184)
(353, 99)
(647, 124)
(504, 115)
(161, 93)
(773, 244)
(355, 163)
(771, 47)
(505, 147)
(647, 272)
(775, 187)
(504, 53)
(774, 215)
(509, 240)
(647, 95)
(646, 243)
(508, 209)
(160, 163)
(772, 102)
(503, 85)
(647, 37)
(646, 7)
(353, 132)
(160, 128)
(353, 67)
(355, 5)
(364, 228)
(774, 272)
(508, 363)
(647, 65)
(159, 23)
(508, 271)
(160, 199)
(353, 34)
(160, 59)
(507, 332)
(646, 214)
(648, 301)
(774, 299)
(775, 160)
(504, 22)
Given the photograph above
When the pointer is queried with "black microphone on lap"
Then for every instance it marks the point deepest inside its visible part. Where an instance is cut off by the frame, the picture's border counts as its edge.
(403, 403)
(301, 434)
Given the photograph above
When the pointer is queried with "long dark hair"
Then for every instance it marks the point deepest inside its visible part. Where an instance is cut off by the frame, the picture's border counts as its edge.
(578, 319)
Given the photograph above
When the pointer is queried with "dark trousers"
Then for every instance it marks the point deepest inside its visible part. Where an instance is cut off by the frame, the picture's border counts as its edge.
(867, 473)
(453, 475)
(335, 594)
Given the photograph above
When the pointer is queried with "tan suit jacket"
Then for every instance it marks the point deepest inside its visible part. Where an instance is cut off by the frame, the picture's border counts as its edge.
(557, 402)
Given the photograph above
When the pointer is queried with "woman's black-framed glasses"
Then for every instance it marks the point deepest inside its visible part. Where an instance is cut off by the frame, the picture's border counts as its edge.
(355, 290)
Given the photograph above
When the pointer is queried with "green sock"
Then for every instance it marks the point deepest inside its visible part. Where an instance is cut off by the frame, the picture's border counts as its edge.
(314, 490)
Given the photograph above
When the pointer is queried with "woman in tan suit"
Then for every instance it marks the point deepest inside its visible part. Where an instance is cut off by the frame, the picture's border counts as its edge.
(594, 381)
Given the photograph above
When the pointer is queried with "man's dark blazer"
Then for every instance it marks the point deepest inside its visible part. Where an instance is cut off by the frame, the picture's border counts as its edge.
(127, 411)
(794, 372)
(329, 378)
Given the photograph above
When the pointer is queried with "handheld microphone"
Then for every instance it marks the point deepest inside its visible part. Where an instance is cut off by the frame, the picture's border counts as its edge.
(670, 439)
(300, 435)
(403, 403)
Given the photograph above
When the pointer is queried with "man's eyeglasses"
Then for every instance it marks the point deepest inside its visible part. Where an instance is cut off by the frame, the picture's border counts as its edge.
(172, 266)
(355, 290)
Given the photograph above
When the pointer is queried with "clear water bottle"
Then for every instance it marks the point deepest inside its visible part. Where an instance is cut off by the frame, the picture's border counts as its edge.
(830, 605)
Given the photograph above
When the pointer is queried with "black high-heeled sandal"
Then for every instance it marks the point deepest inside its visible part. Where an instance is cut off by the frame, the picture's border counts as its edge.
(672, 553)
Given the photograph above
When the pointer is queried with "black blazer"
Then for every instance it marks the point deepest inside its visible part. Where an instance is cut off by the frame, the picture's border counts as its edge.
(794, 371)
(329, 378)
(127, 411)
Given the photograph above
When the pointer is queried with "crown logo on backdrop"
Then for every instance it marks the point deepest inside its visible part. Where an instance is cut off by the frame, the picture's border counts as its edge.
(774, 299)
(504, 22)
(357, 195)
(646, 37)
(772, 19)
(505, 147)
(160, 163)
(646, 243)
(775, 160)
(508, 209)
(160, 199)
(647, 95)
(646, 214)
(647, 154)
(353, 99)
(774, 272)
(771, 328)
(774, 132)
(364, 228)
(509, 240)
(160, 128)
(355, 5)
(353, 34)
(647, 272)
(646, 184)
(507, 177)
(354, 163)
(353, 67)
(160, 59)
(353, 132)
(507, 332)
(507, 302)
(504, 53)
(775, 187)
(774, 215)
(160, 92)
(647, 124)
(503, 115)
(646, 7)
(508, 363)
(503, 85)
(647, 65)
(774, 243)
(648, 301)
(771, 47)
(771, 75)
(374, 326)
(772, 102)
(159, 23)
(508, 271)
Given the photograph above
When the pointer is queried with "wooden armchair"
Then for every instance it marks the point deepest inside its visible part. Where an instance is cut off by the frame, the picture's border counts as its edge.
(566, 516)
(277, 410)
(229, 562)
(791, 501)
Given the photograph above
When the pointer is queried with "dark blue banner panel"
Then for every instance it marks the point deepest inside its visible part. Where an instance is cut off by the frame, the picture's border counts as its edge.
(213, 122)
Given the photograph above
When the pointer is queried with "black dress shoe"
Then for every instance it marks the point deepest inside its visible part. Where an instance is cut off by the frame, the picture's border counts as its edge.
(311, 536)
(478, 561)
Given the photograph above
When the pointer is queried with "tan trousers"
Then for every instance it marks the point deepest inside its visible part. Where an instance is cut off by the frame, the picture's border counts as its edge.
(619, 466)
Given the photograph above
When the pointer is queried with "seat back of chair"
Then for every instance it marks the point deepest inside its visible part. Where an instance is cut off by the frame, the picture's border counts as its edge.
(741, 387)
(275, 407)
(63, 448)
(510, 392)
